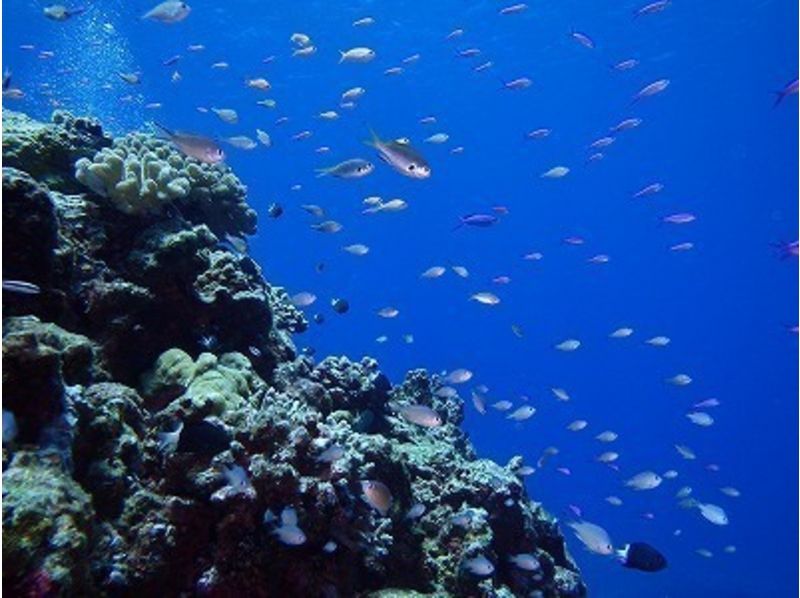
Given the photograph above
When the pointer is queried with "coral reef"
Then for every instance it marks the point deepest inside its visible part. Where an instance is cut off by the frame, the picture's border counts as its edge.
(172, 441)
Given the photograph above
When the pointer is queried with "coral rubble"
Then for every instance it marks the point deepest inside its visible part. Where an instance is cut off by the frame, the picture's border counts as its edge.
(170, 440)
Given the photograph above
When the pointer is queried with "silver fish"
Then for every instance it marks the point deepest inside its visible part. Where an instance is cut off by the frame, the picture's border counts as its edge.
(401, 156)
(349, 169)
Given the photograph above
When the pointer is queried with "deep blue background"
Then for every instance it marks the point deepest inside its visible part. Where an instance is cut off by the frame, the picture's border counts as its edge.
(712, 138)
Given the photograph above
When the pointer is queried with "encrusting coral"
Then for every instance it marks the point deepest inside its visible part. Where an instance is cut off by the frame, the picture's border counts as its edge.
(171, 441)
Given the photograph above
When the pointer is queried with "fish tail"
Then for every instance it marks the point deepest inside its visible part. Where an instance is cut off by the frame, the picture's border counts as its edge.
(779, 95)
(373, 140)
(164, 129)
(341, 57)
(457, 226)
(322, 172)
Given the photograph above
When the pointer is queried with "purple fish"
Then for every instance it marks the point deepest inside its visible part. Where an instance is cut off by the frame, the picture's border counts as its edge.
(172, 60)
(680, 218)
(519, 83)
(479, 220)
(21, 286)
(706, 403)
(576, 510)
(651, 189)
(626, 65)
(789, 89)
(787, 249)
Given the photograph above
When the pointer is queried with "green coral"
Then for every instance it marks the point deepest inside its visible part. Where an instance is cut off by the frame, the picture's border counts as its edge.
(214, 386)
(141, 175)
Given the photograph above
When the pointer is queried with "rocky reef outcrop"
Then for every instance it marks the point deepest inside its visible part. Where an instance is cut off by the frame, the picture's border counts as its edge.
(162, 436)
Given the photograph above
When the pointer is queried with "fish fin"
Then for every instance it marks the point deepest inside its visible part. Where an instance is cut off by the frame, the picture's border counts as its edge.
(323, 172)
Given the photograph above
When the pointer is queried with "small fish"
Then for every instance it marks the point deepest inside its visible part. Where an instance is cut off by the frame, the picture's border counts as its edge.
(240, 142)
(670, 474)
(534, 256)
(574, 240)
(454, 34)
(446, 392)
(614, 501)
(560, 394)
(685, 452)
(564, 471)
(329, 547)
(680, 218)
(401, 157)
(700, 418)
(288, 532)
(427, 120)
(328, 226)
(313, 209)
(353, 94)
(525, 561)
(226, 115)
(594, 537)
(469, 53)
(524, 471)
(621, 333)
(357, 249)
(259, 83)
(328, 115)
(642, 557)
(626, 65)
(501, 279)
(376, 495)
(263, 138)
(359, 55)
(479, 403)
(388, 312)
(600, 258)
(460, 271)
(59, 12)
(704, 552)
(485, 298)
(684, 492)
(517, 330)
(302, 135)
(679, 380)
(654, 88)
(502, 405)
(196, 48)
(393, 205)
(304, 52)
(602, 142)
(169, 12)
(340, 306)
(522, 413)
(363, 22)
(392, 71)
(607, 457)
(171, 60)
(706, 403)
(130, 78)
(303, 299)
(538, 133)
(354, 168)
(606, 436)
(626, 125)
(685, 246)
(658, 341)
(220, 66)
(729, 549)
(651, 189)
(458, 376)
(477, 220)
(479, 566)
(577, 425)
(730, 491)
(267, 103)
(433, 272)
(416, 511)
(568, 345)
(518, 83)
(556, 172)
(21, 287)
(646, 480)
(652, 8)
(710, 512)
(582, 39)
(437, 138)
(420, 415)
(195, 146)
(411, 59)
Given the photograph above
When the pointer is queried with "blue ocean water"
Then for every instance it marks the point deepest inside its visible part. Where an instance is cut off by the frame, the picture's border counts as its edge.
(712, 138)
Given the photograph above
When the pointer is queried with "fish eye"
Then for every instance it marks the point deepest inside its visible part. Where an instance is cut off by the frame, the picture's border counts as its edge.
(411, 167)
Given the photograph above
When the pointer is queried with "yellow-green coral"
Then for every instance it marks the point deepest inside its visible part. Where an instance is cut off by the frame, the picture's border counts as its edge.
(141, 174)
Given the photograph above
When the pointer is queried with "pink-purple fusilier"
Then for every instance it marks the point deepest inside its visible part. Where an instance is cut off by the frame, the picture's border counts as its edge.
(478, 220)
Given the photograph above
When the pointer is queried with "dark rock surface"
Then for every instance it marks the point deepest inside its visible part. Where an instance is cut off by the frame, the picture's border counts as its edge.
(164, 421)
